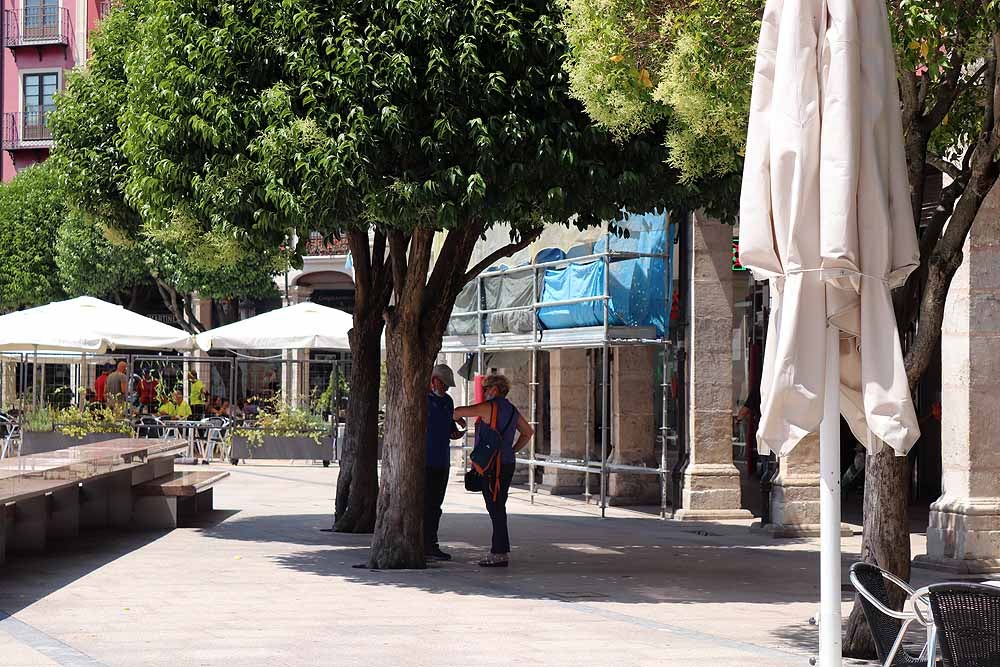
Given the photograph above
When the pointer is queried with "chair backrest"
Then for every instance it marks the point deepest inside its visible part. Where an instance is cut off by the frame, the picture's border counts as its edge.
(148, 426)
(884, 628)
(967, 617)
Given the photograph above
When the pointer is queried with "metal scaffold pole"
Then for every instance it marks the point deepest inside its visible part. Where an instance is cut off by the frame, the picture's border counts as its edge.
(589, 423)
(664, 431)
(533, 398)
(605, 373)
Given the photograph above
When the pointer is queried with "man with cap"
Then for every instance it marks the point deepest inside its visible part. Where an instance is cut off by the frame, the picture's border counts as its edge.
(441, 431)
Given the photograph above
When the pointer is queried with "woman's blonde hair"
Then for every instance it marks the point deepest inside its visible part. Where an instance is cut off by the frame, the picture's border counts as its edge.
(498, 382)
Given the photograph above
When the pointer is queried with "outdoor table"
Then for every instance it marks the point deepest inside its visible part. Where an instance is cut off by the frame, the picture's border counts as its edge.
(186, 426)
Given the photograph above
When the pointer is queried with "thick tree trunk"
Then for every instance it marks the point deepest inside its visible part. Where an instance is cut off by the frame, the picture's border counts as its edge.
(886, 540)
(357, 484)
(399, 540)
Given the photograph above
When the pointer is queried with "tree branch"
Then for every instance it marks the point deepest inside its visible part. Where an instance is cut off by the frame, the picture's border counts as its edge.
(193, 321)
(448, 262)
(357, 241)
(949, 92)
(509, 249)
(942, 165)
(398, 242)
(169, 296)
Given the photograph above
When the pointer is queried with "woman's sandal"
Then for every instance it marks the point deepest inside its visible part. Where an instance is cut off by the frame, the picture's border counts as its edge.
(493, 561)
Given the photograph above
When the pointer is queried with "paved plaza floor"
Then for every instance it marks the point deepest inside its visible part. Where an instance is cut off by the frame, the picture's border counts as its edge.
(258, 583)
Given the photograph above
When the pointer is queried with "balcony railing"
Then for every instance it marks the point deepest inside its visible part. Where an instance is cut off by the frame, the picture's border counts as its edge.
(30, 129)
(103, 8)
(37, 26)
(317, 246)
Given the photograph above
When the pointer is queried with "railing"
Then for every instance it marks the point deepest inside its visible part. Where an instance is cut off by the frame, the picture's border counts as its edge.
(37, 26)
(27, 129)
(103, 9)
(317, 246)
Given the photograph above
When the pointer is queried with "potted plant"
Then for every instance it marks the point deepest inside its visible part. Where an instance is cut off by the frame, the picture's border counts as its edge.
(281, 431)
(47, 429)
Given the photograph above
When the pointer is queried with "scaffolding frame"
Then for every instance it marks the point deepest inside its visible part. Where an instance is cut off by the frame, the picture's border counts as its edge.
(604, 337)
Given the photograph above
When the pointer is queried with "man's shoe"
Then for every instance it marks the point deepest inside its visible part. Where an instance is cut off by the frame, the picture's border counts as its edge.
(435, 553)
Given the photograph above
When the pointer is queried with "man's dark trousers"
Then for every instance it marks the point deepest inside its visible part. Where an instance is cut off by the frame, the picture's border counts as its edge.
(435, 485)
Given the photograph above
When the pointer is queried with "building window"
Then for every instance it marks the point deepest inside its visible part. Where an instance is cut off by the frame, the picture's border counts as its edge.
(39, 89)
(41, 19)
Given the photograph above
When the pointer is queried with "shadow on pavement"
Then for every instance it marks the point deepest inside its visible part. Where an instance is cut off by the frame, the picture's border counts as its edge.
(38, 575)
(566, 558)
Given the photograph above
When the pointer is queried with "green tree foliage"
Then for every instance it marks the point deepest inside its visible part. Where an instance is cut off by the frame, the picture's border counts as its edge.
(32, 207)
(91, 265)
(682, 69)
(87, 131)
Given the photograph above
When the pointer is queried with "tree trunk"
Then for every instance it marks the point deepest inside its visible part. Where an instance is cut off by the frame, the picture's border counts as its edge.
(414, 329)
(357, 484)
(886, 541)
(399, 530)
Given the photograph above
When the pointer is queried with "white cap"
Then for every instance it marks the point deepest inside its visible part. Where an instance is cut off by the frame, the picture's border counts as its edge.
(445, 374)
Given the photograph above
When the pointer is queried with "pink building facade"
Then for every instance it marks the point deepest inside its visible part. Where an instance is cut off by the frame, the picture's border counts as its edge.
(42, 41)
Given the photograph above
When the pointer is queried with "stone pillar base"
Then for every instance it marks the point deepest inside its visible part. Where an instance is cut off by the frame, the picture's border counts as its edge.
(795, 507)
(711, 492)
(560, 482)
(633, 489)
(963, 536)
(786, 531)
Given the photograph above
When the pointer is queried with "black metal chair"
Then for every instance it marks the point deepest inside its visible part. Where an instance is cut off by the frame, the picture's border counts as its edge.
(967, 618)
(888, 626)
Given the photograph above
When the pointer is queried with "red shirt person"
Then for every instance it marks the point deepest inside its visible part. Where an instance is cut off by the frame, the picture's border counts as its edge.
(147, 390)
(99, 385)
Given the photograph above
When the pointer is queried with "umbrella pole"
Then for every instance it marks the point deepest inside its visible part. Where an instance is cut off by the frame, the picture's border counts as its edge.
(829, 465)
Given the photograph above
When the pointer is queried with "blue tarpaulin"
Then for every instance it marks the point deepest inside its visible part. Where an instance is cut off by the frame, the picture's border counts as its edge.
(637, 287)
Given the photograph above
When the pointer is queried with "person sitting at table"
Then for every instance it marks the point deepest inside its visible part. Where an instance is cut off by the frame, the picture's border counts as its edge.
(214, 406)
(176, 408)
(198, 395)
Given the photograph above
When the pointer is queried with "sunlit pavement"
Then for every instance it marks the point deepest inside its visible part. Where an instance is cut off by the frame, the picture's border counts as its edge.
(259, 583)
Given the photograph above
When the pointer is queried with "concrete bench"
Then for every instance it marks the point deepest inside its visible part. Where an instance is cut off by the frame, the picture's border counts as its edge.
(162, 502)
(53, 495)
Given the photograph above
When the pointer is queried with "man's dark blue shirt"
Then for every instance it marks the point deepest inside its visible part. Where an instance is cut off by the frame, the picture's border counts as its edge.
(440, 423)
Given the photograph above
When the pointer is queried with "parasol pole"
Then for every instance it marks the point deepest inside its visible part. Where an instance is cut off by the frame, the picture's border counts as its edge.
(830, 654)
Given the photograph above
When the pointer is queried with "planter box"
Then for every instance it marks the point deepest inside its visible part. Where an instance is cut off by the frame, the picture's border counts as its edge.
(40, 442)
(283, 448)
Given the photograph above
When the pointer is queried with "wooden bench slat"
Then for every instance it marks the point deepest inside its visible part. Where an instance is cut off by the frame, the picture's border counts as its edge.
(180, 483)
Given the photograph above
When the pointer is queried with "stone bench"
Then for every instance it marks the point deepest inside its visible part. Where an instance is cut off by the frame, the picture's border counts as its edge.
(162, 502)
(53, 495)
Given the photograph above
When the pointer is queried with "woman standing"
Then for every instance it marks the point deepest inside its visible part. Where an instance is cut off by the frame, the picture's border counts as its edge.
(515, 432)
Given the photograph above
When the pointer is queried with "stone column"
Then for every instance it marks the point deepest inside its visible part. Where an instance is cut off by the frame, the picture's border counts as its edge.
(964, 530)
(795, 492)
(568, 396)
(711, 483)
(633, 425)
(298, 372)
(8, 383)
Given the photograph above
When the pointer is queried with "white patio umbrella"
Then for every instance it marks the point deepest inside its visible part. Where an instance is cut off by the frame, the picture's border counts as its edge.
(825, 217)
(89, 325)
(300, 327)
